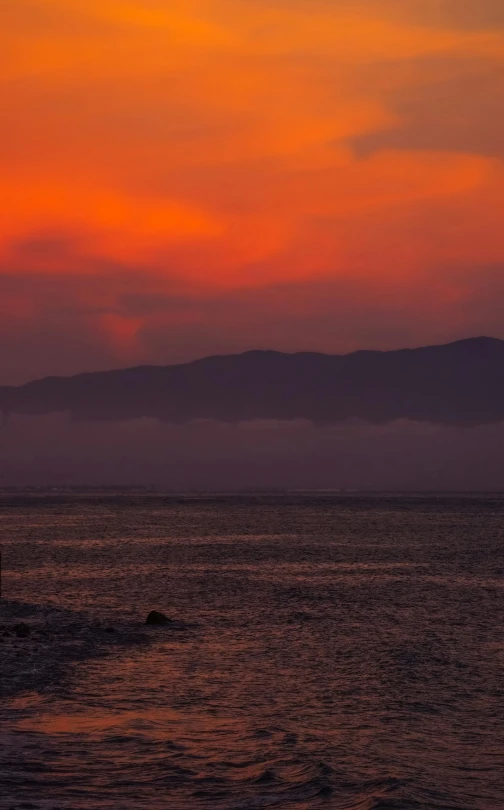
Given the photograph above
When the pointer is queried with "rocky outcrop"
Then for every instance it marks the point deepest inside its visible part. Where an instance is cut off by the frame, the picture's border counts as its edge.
(155, 617)
(22, 630)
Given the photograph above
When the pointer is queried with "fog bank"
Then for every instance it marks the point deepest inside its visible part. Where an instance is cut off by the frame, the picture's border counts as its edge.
(54, 450)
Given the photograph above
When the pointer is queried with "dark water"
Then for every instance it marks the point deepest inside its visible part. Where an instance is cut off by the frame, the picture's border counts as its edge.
(344, 652)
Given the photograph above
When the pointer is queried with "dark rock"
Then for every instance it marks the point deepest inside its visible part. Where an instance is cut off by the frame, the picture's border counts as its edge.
(22, 630)
(110, 629)
(155, 617)
(267, 776)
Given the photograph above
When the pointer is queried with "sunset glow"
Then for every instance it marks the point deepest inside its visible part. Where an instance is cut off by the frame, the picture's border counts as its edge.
(179, 179)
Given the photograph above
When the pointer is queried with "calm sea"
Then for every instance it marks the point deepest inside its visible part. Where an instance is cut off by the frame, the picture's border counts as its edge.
(336, 652)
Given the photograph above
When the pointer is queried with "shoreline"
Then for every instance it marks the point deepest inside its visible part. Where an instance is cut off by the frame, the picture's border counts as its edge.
(40, 643)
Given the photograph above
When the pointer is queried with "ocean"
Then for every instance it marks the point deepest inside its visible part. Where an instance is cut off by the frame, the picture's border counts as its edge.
(327, 651)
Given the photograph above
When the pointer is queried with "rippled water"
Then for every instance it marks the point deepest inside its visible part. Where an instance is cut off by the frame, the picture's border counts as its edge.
(340, 652)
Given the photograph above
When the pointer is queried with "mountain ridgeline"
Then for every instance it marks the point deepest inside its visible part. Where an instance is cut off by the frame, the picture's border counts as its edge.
(460, 383)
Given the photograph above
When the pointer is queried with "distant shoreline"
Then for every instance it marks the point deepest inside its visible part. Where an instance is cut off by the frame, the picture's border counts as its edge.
(248, 492)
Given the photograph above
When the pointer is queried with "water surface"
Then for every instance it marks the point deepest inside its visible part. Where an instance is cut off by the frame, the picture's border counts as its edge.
(340, 652)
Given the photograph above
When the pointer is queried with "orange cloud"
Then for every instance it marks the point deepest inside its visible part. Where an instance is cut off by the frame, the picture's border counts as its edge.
(218, 142)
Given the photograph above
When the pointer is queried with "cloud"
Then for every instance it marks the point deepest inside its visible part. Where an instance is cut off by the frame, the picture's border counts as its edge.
(226, 174)
(445, 13)
(486, 14)
(451, 105)
(207, 455)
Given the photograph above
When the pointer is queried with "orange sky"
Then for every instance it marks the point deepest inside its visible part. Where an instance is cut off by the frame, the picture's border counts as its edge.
(216, 175)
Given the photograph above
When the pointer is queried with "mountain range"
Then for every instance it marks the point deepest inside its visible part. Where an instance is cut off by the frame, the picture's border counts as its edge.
(459, 383)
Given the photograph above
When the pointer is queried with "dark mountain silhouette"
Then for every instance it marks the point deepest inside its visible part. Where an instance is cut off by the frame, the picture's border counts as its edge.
(459, 383)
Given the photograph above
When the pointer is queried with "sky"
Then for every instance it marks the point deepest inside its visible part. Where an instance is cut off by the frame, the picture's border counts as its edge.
(184, 179)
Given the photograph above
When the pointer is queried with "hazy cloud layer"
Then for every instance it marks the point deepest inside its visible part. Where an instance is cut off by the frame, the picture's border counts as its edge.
(403, 455)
